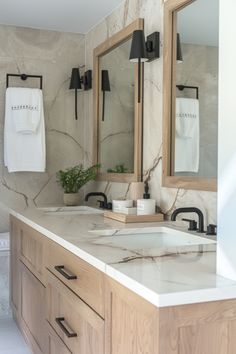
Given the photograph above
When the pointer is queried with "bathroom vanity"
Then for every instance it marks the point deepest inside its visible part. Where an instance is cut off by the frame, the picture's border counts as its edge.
(76, 290)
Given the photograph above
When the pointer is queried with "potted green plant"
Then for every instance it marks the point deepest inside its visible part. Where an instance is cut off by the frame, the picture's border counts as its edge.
(118, 169)
(74, 178)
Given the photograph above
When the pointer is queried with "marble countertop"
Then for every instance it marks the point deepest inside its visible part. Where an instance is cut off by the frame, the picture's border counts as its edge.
(178, 275)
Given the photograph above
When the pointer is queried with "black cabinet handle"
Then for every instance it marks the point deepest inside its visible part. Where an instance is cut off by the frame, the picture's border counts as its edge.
(59, 321)
(66, 274)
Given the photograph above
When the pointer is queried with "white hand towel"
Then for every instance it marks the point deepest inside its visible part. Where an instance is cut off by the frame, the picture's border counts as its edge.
(25, 105)
(24, 140)
(187, 135)
(187, 117)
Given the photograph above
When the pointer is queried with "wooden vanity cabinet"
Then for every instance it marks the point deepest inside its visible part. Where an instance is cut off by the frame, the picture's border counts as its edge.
(27, 290)
(79, 327)
(33, 251)
(134, 326)
(41, 295)
(32, 311)
(55, 344)
(106, 317)
(83, 279)
(204, 328)
(131, 322)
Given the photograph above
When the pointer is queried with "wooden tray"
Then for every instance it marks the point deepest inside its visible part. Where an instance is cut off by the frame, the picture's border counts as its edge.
(133, 218)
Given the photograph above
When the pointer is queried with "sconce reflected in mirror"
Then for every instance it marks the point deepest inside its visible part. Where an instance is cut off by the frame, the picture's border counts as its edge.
(142, 51)
(179, 55)
(117, 116)
(76, 83)
(105, 88)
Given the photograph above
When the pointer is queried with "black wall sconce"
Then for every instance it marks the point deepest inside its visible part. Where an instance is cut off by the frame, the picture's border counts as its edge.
(179, 55)
(77, 81)
(105, 82)
(142, 51)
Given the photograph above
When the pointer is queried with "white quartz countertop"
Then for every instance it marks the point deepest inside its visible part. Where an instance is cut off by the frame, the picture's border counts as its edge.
(180, 275)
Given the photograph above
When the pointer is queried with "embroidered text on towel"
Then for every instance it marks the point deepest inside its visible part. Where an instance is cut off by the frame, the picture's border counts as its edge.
(20, 107)
(186, 115)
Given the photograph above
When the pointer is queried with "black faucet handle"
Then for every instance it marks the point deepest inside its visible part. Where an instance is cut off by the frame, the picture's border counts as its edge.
(192, 224)
(211, 230)
(109, 206)
(102, 204)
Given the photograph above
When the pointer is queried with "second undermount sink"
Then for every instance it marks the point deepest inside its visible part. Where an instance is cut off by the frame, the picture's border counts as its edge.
(66, 210)
(149, 238)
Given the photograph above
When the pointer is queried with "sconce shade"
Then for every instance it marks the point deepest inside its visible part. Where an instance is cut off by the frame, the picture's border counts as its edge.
(138, 50)
(105, 81)
(179, 56)
(75, 81)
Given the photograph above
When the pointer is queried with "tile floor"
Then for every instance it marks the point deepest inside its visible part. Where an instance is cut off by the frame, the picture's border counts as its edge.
(11, 340)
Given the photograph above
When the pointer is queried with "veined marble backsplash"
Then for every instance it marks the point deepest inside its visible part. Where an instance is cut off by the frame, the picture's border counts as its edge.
(69, 142)
(167, 198)
(53, 55)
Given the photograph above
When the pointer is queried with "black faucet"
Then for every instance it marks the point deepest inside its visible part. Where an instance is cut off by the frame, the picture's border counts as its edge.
(190, 210)
(103, 203)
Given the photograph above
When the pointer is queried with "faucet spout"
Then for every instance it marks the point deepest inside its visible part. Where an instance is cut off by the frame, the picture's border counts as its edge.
(96, 194)
(190, 210)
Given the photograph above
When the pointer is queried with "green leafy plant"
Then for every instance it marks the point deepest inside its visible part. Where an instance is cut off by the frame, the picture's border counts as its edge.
(72, 179)
(118, 169)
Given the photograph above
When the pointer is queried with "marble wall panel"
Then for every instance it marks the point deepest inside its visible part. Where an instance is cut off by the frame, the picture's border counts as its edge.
(167, 198)
(53, 55)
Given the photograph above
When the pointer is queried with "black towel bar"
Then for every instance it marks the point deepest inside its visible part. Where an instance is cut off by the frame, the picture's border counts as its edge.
(182, 87)
(24, 77)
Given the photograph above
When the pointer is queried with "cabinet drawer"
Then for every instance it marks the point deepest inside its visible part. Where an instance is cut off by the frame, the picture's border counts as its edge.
(55, 344)
(32, 251)
(32, 312)
(79, 327)
(86, 281)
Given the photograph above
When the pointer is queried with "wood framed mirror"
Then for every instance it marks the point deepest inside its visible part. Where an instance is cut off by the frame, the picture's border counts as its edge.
(117, 113)
(190, 94)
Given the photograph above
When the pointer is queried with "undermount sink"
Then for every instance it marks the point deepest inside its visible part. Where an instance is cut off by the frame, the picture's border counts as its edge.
(66, 210)
(149, 238)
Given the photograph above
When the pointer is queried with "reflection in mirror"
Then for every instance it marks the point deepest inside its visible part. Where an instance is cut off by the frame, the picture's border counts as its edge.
(116, 116)
(195, 91)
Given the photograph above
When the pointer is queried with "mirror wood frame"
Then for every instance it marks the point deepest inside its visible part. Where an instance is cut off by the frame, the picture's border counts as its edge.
(112, 43)
(169, 95)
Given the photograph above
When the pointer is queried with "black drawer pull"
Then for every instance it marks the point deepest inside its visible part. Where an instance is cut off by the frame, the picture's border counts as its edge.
(59, 321)
(66, 274)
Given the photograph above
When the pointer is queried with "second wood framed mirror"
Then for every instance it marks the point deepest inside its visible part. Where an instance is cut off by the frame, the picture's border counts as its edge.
(117, 113)
(190, 91)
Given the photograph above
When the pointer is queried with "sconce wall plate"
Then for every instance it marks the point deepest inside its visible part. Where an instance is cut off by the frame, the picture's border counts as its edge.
(87, 80)
(153, 46)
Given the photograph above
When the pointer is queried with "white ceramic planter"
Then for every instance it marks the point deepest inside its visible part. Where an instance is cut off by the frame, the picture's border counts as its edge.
(71, 199)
